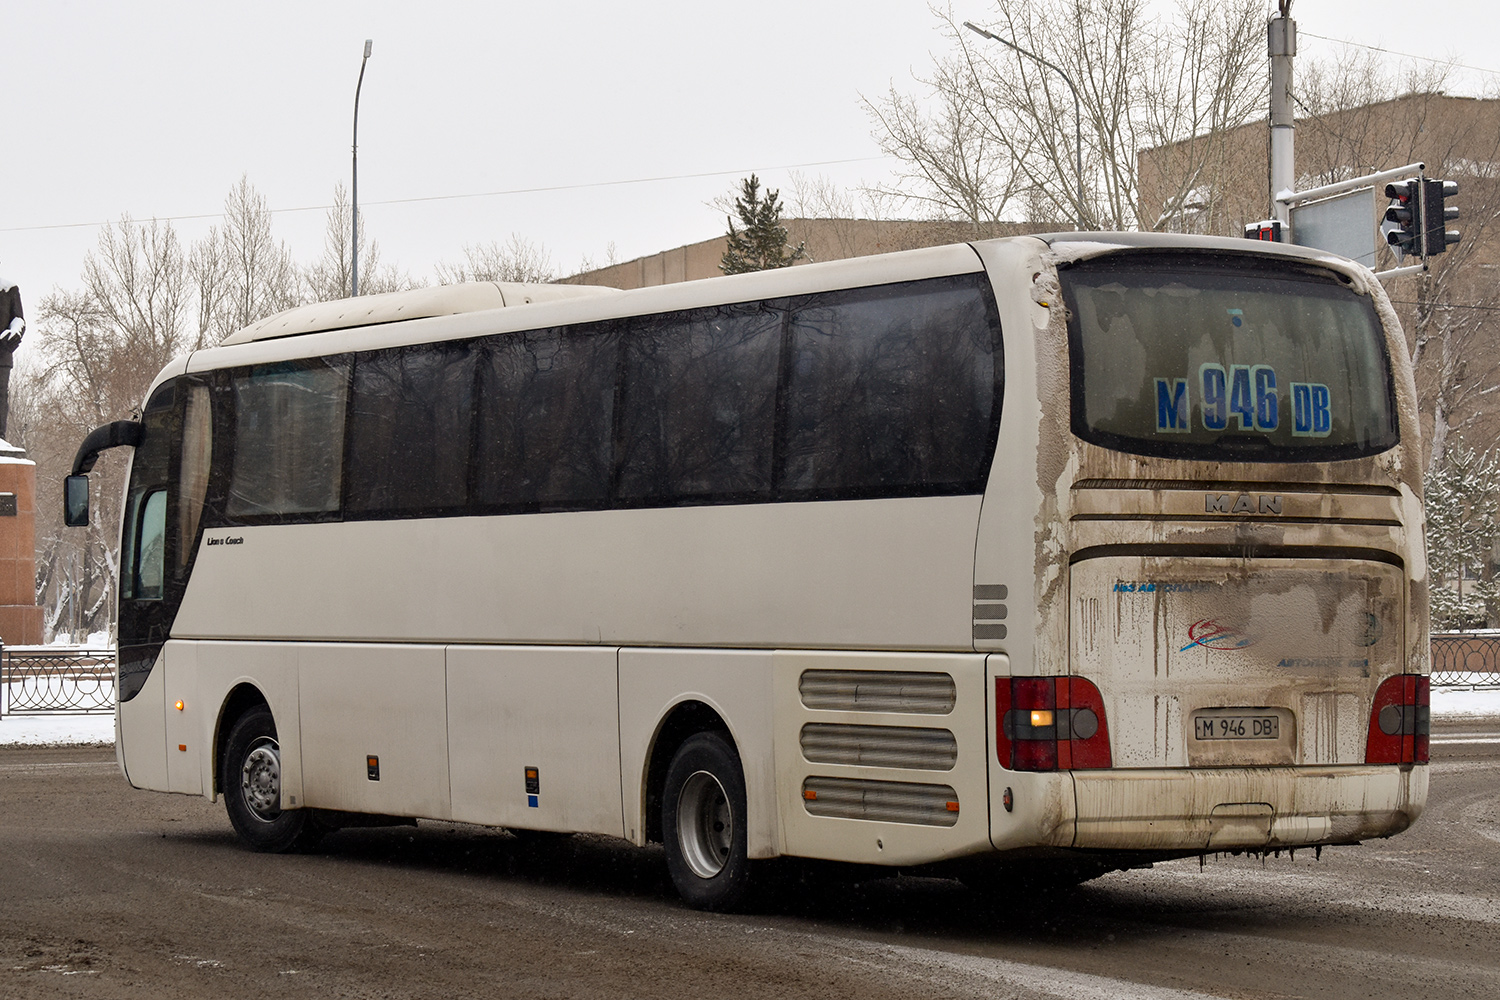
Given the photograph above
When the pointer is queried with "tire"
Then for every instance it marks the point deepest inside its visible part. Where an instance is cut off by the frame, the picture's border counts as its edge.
(704, 825)
(250, 778)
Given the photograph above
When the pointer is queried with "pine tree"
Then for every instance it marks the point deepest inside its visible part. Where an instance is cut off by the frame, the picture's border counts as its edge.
(1463, 507)
(762, 244)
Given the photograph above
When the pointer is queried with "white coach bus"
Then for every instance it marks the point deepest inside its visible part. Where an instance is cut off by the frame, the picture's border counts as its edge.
(1042, 556)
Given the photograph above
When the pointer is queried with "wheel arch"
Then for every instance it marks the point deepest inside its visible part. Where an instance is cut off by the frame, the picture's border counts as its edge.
(243, 697)
(685, 720)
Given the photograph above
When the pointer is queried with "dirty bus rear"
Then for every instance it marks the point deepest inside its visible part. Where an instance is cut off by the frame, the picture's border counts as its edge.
(1027, 558)
(1228, 641)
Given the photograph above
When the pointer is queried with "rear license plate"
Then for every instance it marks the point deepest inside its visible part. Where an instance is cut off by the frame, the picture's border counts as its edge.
(1236, 727)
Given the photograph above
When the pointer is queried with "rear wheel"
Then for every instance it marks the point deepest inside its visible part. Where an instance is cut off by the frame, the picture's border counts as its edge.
(251, 782)
(704, 825)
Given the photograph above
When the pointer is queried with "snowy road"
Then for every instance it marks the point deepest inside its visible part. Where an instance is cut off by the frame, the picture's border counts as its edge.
(106, 892)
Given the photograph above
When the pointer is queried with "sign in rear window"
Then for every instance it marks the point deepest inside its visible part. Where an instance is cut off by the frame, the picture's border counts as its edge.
(1226, 359)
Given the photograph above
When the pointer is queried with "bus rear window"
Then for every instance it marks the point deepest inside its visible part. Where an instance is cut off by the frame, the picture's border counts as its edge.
(1226, 359)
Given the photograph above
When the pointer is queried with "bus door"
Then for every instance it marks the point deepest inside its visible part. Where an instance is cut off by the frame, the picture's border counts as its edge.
(161, 747)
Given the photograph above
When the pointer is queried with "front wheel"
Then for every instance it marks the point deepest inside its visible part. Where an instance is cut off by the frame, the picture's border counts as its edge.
(704, 825)
(250, 779)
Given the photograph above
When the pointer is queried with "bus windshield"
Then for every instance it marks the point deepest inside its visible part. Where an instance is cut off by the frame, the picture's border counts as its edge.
(1229, 359)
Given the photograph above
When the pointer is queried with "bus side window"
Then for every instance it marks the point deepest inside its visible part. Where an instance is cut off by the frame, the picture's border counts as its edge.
(699, 403)
(288, 451)
(192, 477)
(893, 389)
(545, 426)
(150, 568)
(143, 547)
(411, 421)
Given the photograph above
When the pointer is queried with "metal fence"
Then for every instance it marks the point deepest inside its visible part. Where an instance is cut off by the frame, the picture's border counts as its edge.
(72, 680)
(1466, 658)
(77, 680)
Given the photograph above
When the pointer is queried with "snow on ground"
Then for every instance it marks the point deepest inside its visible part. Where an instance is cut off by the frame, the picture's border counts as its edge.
(1447, 703)
(56, 729)
(1465, 703)
(50, 729)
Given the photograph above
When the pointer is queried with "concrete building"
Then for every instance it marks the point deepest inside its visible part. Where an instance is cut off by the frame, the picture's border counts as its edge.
(1457, 137)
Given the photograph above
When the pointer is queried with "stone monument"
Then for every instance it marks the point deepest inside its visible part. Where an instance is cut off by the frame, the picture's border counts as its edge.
(20, 618)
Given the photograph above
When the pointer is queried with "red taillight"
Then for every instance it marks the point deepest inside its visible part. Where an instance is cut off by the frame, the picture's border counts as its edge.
(1400, 721)
(1050, 724)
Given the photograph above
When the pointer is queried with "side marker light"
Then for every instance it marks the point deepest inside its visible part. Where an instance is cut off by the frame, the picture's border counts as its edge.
(179, 704)
(182, 747)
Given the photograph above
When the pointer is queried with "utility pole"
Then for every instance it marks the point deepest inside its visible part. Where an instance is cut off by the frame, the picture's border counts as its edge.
(1077, 109)
(1281, 37)
(354, 247)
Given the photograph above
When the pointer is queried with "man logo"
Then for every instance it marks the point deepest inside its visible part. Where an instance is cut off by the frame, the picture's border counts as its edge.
(1219, 503)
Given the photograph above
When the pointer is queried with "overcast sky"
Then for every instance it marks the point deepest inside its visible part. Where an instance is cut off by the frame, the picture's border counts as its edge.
(156, 109)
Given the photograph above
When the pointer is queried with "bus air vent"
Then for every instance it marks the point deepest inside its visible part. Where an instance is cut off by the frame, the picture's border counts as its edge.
(880, 746)
(881, 801)
(878, 691)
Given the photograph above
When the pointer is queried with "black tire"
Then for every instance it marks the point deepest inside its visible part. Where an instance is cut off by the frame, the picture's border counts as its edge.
(704, 826)
(250, 778)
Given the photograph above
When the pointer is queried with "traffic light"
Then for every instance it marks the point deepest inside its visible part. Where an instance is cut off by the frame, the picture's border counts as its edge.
(1402, 214)
(1435, 216)
(1268, 231)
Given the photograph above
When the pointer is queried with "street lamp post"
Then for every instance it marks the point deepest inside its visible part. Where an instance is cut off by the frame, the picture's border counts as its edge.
(354, 186)
(1077, 109)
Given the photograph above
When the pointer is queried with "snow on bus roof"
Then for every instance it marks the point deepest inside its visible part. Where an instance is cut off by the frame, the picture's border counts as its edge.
(390, 307)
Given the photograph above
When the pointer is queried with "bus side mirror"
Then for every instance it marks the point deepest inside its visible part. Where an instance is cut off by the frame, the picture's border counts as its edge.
(76, 501)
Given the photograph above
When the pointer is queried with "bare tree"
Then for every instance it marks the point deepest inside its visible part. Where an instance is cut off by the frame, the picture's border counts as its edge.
(1004, 126)
(94, 351)
(951, 162)
(1362, 116)
(517, 259)
(611, 258)
(136, 284)
(328, 278)
(253, 274)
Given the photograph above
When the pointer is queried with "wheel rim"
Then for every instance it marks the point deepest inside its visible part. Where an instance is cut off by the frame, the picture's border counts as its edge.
(705, 824)
(260, 779)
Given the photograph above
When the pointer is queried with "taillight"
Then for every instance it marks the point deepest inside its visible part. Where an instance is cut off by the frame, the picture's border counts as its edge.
(1050, 724)
(1400, 721)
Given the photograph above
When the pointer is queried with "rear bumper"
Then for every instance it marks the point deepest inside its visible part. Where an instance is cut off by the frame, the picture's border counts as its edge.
(1230, 808)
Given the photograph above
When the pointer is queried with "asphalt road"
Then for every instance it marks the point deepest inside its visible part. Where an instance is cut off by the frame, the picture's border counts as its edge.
(109, 892)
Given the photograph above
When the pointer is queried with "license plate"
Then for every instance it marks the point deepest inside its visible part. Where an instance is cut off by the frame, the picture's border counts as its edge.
(1236, 727)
